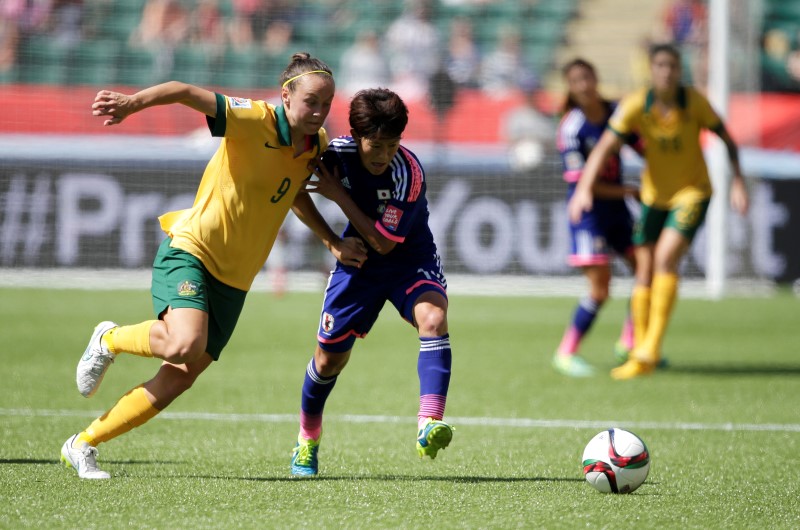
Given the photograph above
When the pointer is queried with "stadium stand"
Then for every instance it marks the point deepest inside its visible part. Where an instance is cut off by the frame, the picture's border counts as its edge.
(106, 54)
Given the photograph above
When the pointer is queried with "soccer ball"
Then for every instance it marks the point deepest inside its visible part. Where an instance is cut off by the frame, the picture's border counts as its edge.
(616, 461)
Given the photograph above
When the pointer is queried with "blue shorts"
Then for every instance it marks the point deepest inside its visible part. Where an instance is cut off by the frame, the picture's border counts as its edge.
(353, 300)
(607, 227)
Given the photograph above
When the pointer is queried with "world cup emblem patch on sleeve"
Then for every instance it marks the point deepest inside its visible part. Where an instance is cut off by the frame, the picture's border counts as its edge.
(188, 288)
(327, 322)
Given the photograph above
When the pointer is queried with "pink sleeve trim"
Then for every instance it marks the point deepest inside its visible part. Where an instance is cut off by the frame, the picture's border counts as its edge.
(385, 233)
(573, 175)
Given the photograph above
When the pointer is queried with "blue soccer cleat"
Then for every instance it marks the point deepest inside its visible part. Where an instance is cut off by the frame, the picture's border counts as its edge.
(304, 457)
(434, 435)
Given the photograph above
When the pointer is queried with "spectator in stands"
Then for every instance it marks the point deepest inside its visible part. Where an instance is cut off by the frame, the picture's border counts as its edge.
(264, 23)
(463, 61)
(277, 37)
(19, 19)
(9, 36)
(527, 131)
(685, 24)
(685, 20)
(164, 26)
(780, 71)
(163, 23)
(504, 69)
(207, 27)
(362, 65)
(793, 69)
(29, 16)
(66, 25)
(412, 46)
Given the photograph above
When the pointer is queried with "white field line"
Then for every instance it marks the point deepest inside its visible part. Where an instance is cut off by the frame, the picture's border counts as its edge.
(524, 423)
(458, 284)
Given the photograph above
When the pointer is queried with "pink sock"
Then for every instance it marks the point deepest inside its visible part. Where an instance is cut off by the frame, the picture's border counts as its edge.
(627, 333)
(570, 341)
(310, 426)
(430, 406)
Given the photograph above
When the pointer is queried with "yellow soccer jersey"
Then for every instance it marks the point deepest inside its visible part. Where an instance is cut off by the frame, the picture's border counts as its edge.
(246, 191)
(676, 170)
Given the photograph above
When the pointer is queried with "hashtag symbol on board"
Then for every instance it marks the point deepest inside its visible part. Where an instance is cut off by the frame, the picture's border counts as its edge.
(23, 219)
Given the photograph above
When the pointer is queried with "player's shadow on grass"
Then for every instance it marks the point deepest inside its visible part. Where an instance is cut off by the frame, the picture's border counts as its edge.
(38, 461)
(736, 369)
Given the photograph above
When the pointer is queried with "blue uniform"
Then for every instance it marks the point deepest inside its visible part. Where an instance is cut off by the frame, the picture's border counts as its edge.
(396, 200)
(608, 226)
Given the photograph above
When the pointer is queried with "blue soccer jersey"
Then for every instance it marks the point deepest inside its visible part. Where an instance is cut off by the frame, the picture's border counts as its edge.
(395, 199)
(608, 226)
(576, 138)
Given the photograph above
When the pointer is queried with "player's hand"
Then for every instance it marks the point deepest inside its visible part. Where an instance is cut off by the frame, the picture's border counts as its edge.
(326, 184)
(118, 106)
(580, 202)
(740, 201)
(350, 251)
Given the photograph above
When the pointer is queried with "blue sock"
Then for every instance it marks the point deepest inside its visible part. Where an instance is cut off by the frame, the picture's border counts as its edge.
(585, 314)
(316, 390)
(433, 366)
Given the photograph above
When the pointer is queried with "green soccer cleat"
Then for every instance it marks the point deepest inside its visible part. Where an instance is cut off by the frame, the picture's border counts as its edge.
(572, 366)
(621, 352)
(304, 457)
(434, 435)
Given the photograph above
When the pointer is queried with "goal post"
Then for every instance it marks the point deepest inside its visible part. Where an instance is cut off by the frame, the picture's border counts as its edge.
(719, 169)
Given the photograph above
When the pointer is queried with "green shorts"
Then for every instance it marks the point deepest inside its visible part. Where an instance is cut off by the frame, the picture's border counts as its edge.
(686, 219)
(181, 280)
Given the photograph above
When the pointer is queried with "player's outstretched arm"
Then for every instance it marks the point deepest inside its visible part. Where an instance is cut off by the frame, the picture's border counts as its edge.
(583, 197)
(349, 251)
(117, 106)
(740, 200)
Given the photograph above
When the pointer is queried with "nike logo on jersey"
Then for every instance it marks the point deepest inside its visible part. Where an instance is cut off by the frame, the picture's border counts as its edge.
(266, 144)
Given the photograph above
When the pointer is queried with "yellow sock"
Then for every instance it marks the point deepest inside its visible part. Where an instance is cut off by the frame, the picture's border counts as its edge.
(664, 291)
(640, 312)
(133, 339)
(132, 409)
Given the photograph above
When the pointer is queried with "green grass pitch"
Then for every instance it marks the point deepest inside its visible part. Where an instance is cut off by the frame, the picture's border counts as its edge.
(722, 424)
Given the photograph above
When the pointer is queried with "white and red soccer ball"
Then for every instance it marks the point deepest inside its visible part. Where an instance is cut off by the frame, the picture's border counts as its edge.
(616, 461)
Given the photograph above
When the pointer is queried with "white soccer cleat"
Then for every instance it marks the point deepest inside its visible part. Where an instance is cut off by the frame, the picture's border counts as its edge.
(95, 361)
(83, 460)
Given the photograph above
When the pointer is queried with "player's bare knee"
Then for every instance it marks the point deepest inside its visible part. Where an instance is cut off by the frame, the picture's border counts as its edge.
(184, 351)
(182, 382)
(600, 294)
(329, 364)
(432, 323)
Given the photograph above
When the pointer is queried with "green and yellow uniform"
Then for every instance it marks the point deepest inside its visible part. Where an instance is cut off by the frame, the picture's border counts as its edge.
(675, 193)
(676, 170)
(245, 193)
(215, 248)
